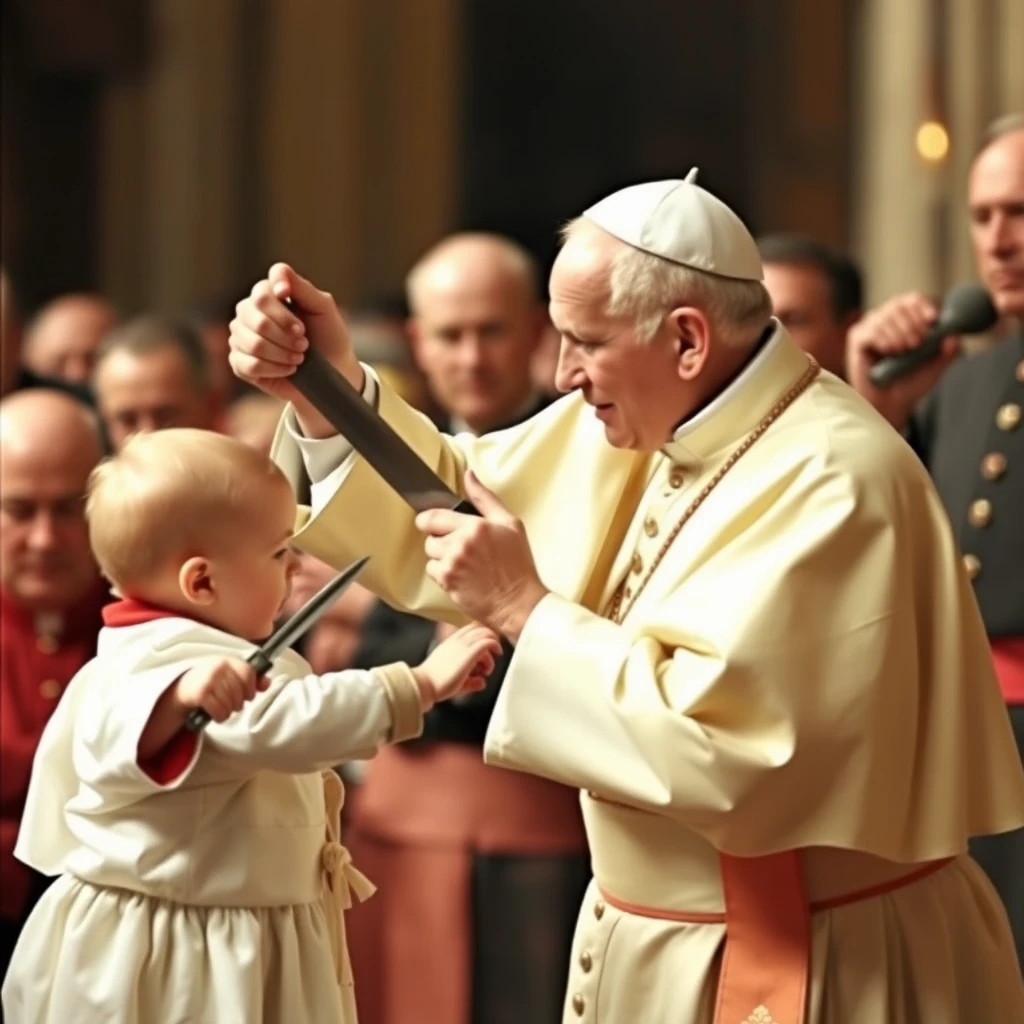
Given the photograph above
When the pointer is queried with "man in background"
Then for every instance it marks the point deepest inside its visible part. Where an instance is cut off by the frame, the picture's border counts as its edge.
(966, 421)
(479, 870)
(816, 293)
(14, 374)
(50, 600)
(152, 374)
(62, 338)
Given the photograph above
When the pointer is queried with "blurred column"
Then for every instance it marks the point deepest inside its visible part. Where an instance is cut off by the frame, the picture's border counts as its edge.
(1010, 22)
(171, 161)
(896, 191)
(359, 137)
(973, 88)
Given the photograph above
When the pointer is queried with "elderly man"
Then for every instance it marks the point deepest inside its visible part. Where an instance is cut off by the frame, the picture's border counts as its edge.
(816, 294)
(62, 338)
(969, 430)
(152, 374)
(50, 600)
(741, 628)
(435, 827)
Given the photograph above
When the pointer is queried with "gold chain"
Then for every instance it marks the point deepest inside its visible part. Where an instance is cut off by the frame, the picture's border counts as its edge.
(618, 612)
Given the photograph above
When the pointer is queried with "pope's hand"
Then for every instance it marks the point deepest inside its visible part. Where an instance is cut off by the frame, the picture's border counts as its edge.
(484, 562)
(268, 340)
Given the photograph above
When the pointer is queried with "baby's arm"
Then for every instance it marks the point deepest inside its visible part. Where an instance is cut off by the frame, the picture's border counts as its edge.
(220, 686)
(312, 722)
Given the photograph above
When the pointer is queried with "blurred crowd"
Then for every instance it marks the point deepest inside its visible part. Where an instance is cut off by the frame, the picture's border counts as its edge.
(471, 346)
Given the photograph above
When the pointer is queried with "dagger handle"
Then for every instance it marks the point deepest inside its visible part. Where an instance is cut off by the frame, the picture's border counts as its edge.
(198, 718)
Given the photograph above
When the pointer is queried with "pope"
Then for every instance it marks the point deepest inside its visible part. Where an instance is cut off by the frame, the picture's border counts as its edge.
(742, 631)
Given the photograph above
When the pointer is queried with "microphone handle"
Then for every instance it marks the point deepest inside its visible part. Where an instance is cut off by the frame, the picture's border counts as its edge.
(888, 370)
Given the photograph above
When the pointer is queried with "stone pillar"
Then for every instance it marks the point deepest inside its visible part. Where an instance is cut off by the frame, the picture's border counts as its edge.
(171, 161)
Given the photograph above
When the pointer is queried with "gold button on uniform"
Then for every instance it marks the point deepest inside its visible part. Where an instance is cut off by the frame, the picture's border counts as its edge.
(676, 478)
(980, 512)
(650, 527)
(1008, 416)
(579, 1004)
(46, 644)
(586, 962)
(637, 564)
(972, 563)
(49, 689)
(599, 909)
(993, 466)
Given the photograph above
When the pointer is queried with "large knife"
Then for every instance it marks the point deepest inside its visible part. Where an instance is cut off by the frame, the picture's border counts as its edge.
(371, 436)
(263, 657)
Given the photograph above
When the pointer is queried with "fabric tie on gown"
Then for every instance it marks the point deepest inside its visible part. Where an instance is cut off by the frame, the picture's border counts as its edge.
(340, 876)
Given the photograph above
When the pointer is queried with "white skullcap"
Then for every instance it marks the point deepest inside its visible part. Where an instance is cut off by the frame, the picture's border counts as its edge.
(681, 222)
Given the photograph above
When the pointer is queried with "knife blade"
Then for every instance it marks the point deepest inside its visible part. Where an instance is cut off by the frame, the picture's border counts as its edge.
(293, 629)
(371, 435)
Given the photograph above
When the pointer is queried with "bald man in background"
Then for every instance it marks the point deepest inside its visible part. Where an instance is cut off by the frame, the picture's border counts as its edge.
(51, 596)
(152, 374)
(480, 868)
(14, 374)
(62, 338)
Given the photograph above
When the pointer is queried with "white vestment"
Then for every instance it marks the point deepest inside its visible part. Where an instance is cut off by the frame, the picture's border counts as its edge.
(214, 898)
(805, 672)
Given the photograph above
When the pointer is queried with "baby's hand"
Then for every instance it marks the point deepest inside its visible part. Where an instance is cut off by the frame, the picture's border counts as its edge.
(459, 664)
(220, 686)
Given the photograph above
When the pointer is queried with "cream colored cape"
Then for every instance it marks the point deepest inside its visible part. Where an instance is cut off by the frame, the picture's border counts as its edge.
(212, 898)
(807, 669)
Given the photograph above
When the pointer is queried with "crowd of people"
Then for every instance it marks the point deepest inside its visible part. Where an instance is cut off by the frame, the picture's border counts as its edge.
(825, 562)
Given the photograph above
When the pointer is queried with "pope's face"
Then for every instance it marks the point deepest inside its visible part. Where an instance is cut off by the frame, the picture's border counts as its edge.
(633, 386)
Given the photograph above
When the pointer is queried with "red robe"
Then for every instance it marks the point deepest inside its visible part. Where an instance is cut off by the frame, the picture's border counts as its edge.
(36, 663)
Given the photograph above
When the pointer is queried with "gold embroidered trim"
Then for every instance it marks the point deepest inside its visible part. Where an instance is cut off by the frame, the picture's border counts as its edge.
(621, 605)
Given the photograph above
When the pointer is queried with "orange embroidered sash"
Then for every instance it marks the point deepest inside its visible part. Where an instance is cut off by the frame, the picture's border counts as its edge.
(766, 962)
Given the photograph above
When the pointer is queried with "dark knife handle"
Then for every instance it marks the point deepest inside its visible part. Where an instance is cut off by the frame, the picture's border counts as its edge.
(198, 718)
(321, 383)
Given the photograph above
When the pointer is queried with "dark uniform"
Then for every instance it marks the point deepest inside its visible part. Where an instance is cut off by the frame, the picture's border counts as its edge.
(970, 433)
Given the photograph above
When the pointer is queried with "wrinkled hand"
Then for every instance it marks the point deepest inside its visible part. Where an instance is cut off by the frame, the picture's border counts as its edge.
(220, 686)
(484, 563)
(892, 328)
(268, 340)
(459, 664)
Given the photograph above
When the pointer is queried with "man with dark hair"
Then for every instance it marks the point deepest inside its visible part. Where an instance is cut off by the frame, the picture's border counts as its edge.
(816, 293)
(151, 374)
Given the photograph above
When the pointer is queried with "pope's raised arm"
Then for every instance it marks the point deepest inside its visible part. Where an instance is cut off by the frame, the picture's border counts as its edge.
(741, 627)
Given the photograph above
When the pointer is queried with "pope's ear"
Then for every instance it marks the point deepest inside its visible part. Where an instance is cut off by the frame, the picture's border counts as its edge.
(692, 339)
(195, 578)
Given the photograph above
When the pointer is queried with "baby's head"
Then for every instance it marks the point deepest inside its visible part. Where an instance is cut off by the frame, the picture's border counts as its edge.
(197, 523)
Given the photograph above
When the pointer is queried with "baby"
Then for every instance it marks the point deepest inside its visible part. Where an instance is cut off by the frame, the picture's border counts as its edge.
(201, 876)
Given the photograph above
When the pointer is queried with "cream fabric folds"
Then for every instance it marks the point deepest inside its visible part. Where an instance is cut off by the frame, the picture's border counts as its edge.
(934, 952)
(211, 899)
(806, 667)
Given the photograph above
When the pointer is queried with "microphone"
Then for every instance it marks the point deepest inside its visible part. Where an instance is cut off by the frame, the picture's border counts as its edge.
(966, 309)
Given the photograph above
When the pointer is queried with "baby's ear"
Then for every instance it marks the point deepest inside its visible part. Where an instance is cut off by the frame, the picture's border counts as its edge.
(196, 581)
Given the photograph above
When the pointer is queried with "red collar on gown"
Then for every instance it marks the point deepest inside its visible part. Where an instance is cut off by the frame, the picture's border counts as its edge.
(130, 612)
(168, 764)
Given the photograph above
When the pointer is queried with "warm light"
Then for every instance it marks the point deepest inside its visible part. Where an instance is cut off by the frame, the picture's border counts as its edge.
(932, 141)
